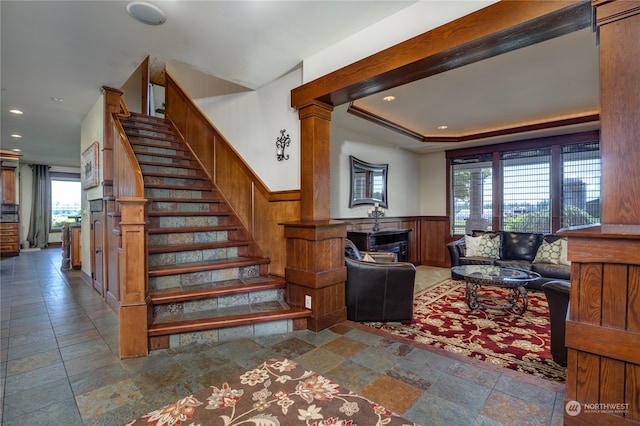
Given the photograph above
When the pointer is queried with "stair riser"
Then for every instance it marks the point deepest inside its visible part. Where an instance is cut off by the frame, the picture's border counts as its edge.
(187, 238)
(177, 258)
(205, 277)
(149, 132)
(167, 206)
(178, 181)
(171, 162)
(143, 120)
(174, 170)
(184, 221)
(143, 143)
(226, 305)
(177, 193)
(151, 150)
(231, 333)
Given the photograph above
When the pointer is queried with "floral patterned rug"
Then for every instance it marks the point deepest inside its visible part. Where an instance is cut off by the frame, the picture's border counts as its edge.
(278, 392)
(520, 342)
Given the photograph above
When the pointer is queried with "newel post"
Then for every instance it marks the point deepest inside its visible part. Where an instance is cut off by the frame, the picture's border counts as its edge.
(134, 291)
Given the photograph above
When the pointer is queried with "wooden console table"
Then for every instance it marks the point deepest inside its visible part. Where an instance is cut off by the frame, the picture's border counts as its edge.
(390, 240)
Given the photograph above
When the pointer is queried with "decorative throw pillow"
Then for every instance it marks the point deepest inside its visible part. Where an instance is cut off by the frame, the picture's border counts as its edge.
(563, 253)
(368, 258)
(549, 252)
(489, 246)
(471, 245)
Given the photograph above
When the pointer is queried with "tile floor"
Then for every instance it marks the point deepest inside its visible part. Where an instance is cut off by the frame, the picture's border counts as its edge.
(59, 363)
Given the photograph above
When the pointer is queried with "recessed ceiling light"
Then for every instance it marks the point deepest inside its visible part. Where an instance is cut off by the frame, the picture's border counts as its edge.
(16, 150)
(15, 135)
(389, 98)
(53, 98)
(16, 111)
(443, 127)
(146, 13)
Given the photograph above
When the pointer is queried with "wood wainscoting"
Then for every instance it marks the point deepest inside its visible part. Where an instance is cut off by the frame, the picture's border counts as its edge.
(429, 236)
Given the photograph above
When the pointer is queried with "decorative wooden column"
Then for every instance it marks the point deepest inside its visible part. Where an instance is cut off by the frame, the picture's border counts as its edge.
(603, 326)
(315, 245)
(134, 284)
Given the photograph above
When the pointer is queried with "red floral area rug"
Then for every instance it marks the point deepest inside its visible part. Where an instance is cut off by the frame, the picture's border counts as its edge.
(278, 392)
(520, 342)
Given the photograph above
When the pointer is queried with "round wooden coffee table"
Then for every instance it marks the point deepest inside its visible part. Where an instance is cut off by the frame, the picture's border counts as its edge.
(513, 279)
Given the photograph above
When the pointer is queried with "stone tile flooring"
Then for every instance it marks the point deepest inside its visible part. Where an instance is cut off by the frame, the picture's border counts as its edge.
(60, 365)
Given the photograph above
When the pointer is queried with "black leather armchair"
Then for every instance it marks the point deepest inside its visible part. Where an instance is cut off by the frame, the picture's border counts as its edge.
(557, 293)
(378, 291)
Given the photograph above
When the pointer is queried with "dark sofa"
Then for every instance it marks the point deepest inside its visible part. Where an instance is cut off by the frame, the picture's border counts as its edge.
(516, 250)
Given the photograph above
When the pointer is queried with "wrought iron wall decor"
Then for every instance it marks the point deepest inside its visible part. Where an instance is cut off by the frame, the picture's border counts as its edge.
(281, 143)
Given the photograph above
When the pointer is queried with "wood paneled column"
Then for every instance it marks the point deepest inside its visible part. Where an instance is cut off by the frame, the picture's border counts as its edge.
(315, 245)
(134, 283)
(315, 167)
(603, 328)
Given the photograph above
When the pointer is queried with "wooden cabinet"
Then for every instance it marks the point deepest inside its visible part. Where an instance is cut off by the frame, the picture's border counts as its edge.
(391, 240)
(8, 185)
(75, 247)
(9, 241)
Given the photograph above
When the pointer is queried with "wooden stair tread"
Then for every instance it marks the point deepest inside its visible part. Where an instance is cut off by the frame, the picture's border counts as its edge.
(184, 229)
(218, 289)
(170, 248)
(209, 320)
(206, 265)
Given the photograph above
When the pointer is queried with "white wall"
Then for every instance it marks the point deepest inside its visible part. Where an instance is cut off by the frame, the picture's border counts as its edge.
(433, 184)
(90, 131)
(403, 192)
(251, 121)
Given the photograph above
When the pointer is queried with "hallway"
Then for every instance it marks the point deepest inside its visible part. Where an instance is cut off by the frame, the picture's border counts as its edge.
(60, 365)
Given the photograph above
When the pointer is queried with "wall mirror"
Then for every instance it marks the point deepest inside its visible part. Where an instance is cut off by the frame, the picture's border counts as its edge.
(368, 183)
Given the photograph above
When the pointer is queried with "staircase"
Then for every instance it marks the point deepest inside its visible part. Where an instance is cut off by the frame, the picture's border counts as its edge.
(208, 281)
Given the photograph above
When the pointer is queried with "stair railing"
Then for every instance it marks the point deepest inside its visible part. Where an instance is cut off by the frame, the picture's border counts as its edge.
(133, 279)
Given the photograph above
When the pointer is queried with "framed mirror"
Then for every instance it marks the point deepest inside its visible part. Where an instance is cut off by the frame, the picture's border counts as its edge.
(368, 183)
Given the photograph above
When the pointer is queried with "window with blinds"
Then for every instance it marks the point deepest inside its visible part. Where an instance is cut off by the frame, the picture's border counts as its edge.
(540, 189)
(581, 179)
(526, 190)
(471, 194)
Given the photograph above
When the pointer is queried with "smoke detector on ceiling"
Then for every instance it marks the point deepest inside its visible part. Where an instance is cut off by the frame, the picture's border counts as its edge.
(146, 13)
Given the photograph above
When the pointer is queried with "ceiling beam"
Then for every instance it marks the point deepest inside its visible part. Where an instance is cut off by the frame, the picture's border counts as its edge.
(496, 29)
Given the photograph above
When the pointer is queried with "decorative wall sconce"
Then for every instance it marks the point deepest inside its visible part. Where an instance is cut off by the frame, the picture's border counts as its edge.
(281, 143)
